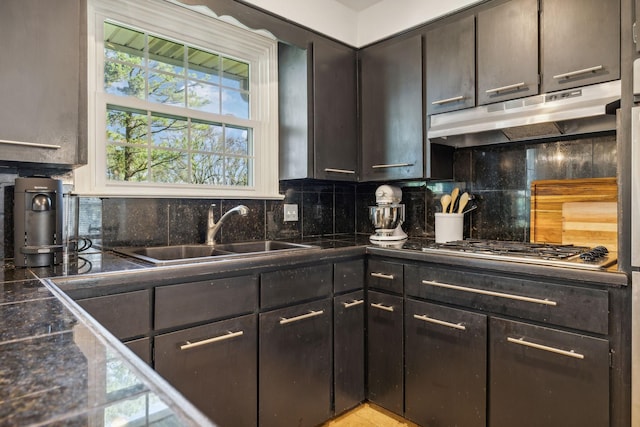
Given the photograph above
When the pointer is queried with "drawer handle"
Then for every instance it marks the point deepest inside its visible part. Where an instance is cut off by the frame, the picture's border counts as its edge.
(391, 165)
(491, 293)
(224, 337)
(570, 353)
(346, 171)
(352, 303)
(448, 100)
(505, 88)
(284, 320)
(382, 307)
(425, 318)
(382, 276)
(578, 72)
(29, 144)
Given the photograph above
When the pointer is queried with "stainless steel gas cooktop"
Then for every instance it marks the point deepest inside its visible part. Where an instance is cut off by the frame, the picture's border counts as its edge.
(583, 257)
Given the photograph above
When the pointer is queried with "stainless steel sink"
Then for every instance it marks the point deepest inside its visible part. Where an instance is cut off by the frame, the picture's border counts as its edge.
(182, 254)
(260, 246)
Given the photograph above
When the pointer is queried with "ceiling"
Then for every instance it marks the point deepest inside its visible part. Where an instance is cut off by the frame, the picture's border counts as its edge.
(358, 5)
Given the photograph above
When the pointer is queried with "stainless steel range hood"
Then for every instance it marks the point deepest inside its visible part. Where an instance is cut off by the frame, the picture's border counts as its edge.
(570, 112)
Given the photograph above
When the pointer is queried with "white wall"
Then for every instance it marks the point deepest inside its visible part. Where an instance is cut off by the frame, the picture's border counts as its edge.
(360, 28)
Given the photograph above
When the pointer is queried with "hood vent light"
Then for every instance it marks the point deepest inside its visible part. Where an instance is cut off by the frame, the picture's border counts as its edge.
(571, 112)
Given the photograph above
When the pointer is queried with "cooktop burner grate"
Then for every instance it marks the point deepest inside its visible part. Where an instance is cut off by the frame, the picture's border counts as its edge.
(534, 253)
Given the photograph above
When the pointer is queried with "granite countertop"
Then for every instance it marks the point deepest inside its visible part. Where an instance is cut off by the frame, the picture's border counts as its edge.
(57, 368)
(60, 367)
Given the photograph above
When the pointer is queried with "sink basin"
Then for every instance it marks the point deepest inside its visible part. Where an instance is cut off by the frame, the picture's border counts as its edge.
(260, 246)
(182, 254)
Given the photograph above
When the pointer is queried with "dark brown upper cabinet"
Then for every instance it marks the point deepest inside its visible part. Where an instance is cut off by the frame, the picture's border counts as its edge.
(318, 114)
(580, 43)
(43, 84)
(507, 43)
(391, 110)
(450, 61)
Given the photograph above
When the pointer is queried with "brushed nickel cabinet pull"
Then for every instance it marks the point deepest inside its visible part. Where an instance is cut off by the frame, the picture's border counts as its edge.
(570, 353)
(505, 88)
(284, 320)
(382, 276)
(448, 100)
(578, 72)
(224, 337)
(426, 318)
(30, 144)
(352, 303)
(382, 307)
(391, 165)
(346, 171)
(490, 293)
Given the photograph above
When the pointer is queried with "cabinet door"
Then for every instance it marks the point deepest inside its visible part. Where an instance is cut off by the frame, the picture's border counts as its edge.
(295, 365)
(545, 377)
(451, 66)
(446, 363)
(215, 367)
(42, 81)
(142, 348)
(335, 138)
(391, 106)
(580, 42)
(508, 51)
(384, 351)
(125, 315)
(348, 350)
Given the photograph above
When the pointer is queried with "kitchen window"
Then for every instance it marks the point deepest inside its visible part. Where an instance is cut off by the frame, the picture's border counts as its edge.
(180, 104)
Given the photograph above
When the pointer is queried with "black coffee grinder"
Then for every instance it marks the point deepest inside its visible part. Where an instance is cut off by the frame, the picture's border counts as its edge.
(37, 213)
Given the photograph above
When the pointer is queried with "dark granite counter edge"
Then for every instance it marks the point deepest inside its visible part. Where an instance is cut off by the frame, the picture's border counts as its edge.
(184, 409)
(597, 277)
(91, 285)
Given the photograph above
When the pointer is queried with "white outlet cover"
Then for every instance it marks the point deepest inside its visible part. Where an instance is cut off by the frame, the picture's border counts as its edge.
(290, 212)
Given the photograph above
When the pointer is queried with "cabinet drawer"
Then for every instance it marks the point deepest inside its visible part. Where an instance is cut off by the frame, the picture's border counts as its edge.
(348, 275)
(385, 275)
(203, 301)
(124, 315)
(278, 288)
(563, 305)
(556, 378)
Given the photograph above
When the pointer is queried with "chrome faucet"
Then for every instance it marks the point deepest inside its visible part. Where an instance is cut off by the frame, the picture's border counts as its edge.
(213, 227)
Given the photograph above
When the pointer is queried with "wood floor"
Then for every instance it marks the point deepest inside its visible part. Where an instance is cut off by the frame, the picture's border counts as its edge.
(367, 415)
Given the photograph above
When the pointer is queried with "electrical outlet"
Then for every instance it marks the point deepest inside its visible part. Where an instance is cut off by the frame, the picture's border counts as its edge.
(290, 212)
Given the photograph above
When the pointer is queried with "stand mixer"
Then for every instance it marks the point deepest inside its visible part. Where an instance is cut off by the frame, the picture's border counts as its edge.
(387, 217)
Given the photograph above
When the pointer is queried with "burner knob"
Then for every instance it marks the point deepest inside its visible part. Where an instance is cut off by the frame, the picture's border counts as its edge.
(601, 250)
(587, 256)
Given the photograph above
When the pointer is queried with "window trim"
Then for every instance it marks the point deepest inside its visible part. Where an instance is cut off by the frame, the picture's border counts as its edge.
(171, 19)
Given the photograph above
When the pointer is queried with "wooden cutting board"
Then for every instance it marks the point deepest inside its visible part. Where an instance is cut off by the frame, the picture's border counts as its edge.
(590, 224)
(548, 196)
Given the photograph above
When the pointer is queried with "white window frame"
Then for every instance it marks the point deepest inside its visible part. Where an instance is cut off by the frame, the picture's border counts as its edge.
(199, 27)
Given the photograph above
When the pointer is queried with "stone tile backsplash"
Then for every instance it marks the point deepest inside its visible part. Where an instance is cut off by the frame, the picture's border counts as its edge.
(498, 178)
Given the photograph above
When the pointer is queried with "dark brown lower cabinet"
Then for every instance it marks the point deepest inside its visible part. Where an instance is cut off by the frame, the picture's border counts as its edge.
(215, 367)
(141, 348)
(126, 315)
(384, 351)
(295, 365)
(545, 377)
(348, 350)
(446, 365)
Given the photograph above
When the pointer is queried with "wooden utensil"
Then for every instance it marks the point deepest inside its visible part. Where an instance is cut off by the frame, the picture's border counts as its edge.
(454, 197)
(445, 200)
(464, 199)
